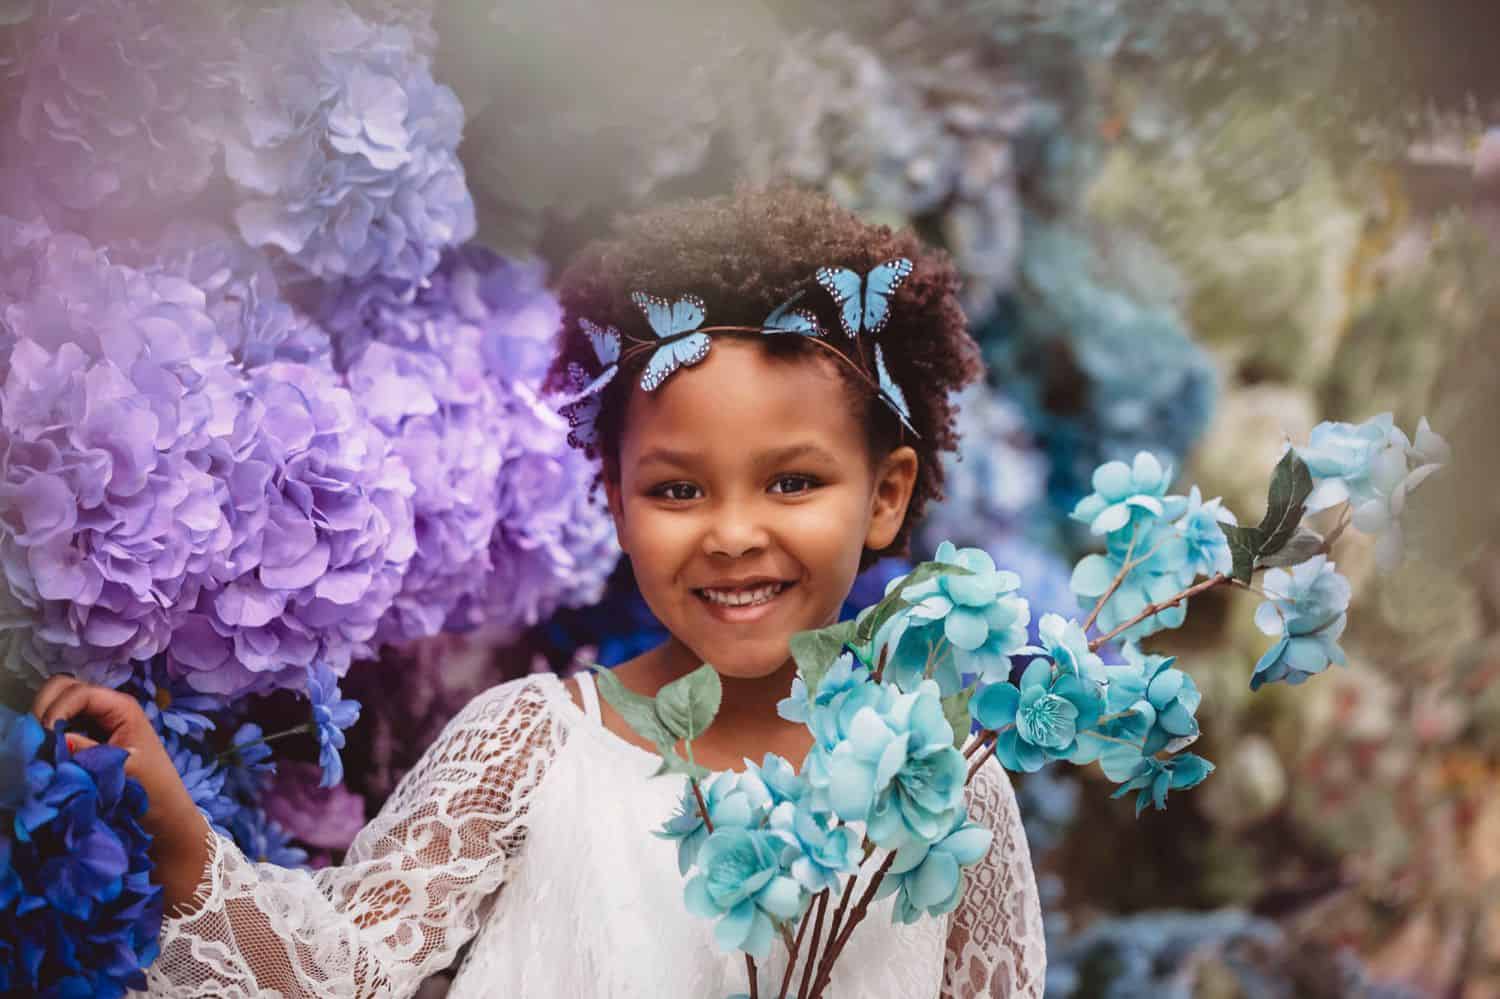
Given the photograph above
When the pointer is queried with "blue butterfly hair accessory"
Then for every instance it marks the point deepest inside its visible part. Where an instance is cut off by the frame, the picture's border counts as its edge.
(680, 340)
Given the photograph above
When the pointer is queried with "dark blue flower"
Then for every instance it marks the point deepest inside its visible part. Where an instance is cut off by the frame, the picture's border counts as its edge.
(247, 762)
(331, 714)
(261, 839)
(79, 915)
(174, 707)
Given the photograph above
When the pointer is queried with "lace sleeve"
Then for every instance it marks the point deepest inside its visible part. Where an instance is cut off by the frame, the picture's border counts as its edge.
(995, 943)
(414, 887)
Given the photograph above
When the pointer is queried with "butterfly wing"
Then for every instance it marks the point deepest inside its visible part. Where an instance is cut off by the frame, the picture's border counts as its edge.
(786, 319)
(891, 392)
(880, 284)
(669, 357)
(844, 285)
(580, 404)
(670, 318)
(606, 341)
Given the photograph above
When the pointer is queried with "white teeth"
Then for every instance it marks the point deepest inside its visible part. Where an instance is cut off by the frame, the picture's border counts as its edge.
(743, 598)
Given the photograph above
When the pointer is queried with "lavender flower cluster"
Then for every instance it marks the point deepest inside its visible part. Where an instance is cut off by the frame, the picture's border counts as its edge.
(295, 424)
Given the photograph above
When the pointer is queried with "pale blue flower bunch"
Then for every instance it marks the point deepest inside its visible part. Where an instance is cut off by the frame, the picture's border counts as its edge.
(891, 698)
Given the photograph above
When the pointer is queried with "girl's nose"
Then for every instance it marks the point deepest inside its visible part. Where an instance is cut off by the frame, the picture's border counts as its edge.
(735, 531)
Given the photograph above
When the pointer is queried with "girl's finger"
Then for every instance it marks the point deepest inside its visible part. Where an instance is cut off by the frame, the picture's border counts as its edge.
(109, 708)
(78, 742)
(50, 692)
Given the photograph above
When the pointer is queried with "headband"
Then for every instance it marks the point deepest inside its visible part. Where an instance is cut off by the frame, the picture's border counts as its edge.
(680, 340)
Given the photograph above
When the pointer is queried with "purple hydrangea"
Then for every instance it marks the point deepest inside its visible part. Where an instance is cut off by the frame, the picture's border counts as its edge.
(321, 520)
(343, 148)
(111, 109)
(508, 529)
(443, 417)
(115, 387)
(554, 544)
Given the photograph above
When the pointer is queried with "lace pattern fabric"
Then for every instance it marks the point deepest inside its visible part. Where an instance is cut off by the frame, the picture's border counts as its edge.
(523, 790)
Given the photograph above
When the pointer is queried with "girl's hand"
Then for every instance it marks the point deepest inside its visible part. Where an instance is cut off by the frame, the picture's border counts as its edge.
(179, 832)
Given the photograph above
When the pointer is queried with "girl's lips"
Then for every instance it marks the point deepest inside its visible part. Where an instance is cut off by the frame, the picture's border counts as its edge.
(743, 613)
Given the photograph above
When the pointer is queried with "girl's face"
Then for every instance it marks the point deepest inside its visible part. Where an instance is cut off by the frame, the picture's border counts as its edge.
(746, 496)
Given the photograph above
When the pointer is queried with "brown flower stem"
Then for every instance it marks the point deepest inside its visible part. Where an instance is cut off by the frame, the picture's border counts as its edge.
(1217, 579)
(979, 760)
(812, 951)
(750, 970)
(985, 734)
(838, 914)
(702, 805)
(1125, 566)
(794, 947)
(836, 944)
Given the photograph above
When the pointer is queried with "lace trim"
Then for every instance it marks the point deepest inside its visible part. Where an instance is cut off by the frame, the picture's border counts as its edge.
(995, 943)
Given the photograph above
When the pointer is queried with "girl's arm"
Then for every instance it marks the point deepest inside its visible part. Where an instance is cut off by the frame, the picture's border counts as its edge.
(995, 943)
(413, 888)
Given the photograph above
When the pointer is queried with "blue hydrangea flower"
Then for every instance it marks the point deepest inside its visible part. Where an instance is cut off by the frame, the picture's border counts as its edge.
(980, 615)
(1127, 494)
(928, 877)
(1207, 547)
(817, 850)
(729, 807)
(1040, 718)
(331, 714)
(894, 767)
(174, 707)
(204, 779)
(247, 762)
(741, 884)
(79, 915)
(1154, 778)
(263, 841)
(1306, 613)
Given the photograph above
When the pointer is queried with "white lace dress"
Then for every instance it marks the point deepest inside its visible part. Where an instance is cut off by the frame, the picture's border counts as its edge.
(529, 824)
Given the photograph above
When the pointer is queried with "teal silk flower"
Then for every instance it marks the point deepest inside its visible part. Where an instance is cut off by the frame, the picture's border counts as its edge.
(771, 782)
(979, 615)
(927, 877)
(847, 673)
(1154, 778)
(895, 769)
(1124, 494)
(729, 806)
(741, 884)
(1307, 613)
(1040, 719)
(1207, 547)
(817, 851)
(1171, 694)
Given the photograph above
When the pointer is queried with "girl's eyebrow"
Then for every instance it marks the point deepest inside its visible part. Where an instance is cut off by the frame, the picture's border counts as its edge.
(779, 456)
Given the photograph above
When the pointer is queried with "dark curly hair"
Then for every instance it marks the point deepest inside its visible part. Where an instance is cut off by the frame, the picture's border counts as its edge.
(744, 254)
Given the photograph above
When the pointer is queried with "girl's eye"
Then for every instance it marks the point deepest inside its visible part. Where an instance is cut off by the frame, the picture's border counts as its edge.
(787, 484)
(676, 491)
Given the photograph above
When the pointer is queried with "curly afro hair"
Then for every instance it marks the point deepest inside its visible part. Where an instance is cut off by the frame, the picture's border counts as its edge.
(744, 254)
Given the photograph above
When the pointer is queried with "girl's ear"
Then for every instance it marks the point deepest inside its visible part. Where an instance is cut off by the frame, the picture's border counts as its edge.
(616, 509)
(895, 478)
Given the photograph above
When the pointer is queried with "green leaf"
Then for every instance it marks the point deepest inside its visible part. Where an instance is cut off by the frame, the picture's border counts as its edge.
(638, 710)
(1291, 484)
(671, 763)
(816, 651)
(1303, 545)
(687, 705)
(956, 710)
(1244, 543)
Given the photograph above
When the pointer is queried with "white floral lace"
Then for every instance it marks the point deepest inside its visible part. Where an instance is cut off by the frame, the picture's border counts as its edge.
(591, 906)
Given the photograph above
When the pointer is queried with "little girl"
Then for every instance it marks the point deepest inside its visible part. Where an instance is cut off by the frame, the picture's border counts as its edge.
(751, 475)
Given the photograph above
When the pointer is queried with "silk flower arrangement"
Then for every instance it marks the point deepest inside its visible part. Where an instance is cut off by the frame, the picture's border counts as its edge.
(907, 701)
